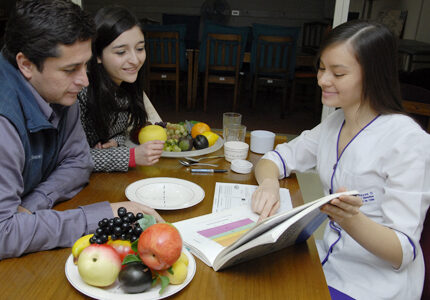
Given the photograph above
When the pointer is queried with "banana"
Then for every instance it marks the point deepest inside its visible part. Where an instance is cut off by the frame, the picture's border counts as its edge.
(79, 245)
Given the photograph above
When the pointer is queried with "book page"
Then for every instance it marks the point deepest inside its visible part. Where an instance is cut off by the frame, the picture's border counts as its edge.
(206, 236)
(229, 195)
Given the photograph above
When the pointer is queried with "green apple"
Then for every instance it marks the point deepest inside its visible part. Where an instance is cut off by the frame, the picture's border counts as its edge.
(99, 265)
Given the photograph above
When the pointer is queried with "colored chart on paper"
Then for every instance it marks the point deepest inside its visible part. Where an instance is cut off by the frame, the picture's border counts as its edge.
(227, 234)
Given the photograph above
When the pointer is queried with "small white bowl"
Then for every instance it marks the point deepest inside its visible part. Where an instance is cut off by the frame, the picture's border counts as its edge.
(235, 150)
(241, 166)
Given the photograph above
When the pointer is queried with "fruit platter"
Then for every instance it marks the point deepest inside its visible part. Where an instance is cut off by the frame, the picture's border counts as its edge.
(130, 257)
(184, 139)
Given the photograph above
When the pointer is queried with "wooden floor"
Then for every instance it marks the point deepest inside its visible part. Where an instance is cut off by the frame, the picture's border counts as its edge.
(265, 116)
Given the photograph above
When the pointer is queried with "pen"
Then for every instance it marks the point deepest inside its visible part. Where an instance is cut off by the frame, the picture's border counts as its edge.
(208, 170)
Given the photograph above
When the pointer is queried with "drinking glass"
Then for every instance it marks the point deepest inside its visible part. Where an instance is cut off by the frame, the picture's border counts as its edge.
(235, 132)
(230, 118)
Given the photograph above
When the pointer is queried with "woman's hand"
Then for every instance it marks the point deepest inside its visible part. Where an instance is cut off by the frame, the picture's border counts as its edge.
(148, 153)
(265, 200)
(135, 208)
(343, 209)
(107, 145)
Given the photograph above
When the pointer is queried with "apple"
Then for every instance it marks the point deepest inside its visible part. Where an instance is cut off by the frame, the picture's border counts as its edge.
(122, 247)
(99, 265)
(160, 245)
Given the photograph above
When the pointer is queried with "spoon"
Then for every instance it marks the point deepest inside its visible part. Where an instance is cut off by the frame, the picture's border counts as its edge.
(190, 163)
(207, 157)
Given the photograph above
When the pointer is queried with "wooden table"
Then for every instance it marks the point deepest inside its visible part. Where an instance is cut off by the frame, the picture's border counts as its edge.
(292, 273)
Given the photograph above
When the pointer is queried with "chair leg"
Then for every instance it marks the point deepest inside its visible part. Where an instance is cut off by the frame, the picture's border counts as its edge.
(254, 92)
(235, 95)
(292, 99)
(284, 100)
(205, 98)
(177, 92)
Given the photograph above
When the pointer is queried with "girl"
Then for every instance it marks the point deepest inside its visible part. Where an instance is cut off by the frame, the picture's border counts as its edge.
(113, 101)
(371, 245)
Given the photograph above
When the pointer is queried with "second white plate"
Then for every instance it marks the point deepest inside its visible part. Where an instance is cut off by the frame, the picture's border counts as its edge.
(165, 193)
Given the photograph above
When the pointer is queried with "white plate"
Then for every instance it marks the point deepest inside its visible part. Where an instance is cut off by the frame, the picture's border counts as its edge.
(218, 144)
(114, 291)
(165, 193)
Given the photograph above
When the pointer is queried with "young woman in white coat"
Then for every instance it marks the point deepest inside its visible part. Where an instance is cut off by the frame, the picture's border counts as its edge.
(371, 244)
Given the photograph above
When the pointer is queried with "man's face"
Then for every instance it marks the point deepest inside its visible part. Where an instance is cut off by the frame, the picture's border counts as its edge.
(63, 77)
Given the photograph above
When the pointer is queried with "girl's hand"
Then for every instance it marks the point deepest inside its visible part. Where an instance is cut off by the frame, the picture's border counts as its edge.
(149, 153)
(107, 145)
(265, 200)
(343, 209)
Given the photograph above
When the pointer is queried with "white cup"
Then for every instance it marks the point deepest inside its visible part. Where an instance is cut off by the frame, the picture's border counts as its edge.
(235, 150)
(262, 141)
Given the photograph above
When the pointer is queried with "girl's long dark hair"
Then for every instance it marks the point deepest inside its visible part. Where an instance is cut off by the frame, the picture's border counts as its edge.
(111, 22)
(375, 49)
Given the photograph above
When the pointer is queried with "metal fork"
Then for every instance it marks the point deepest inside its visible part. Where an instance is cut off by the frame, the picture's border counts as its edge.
(191, 163)
(206, 157)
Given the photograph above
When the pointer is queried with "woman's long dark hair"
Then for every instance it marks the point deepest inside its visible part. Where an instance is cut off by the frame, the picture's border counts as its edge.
(375, 49)
(112, 21)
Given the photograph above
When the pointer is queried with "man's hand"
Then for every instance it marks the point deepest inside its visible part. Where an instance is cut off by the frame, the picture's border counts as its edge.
(135, 208)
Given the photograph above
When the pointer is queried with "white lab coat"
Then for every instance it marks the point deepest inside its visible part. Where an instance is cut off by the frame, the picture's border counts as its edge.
(389, 164)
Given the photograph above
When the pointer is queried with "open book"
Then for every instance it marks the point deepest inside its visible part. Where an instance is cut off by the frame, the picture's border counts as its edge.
(232, 236)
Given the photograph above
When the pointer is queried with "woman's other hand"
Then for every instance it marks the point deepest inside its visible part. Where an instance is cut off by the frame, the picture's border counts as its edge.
(148, 153)
(107, 145)
(265, 200)
(344, 208)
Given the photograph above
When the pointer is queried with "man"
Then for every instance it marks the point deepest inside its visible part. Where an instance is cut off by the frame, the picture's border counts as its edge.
(44, 154)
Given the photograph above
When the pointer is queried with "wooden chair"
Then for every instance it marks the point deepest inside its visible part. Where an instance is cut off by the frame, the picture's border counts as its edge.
(416, 101)
(223, 53)
(272, 65)
(313, 34)
(167, 58)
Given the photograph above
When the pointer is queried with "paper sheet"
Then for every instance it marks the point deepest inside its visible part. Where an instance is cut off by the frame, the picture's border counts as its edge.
(229, 195)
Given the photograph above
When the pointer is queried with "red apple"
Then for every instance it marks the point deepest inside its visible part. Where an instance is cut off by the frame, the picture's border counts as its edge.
(159, 246)
(99, 265)
(122, 247)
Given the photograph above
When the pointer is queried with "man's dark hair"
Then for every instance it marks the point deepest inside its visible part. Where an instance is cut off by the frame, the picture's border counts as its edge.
(37, 27)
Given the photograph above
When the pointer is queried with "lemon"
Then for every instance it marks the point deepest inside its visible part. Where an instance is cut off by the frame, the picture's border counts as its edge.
(151, 133)
(183, 258)
(211, 136)
(180, 271)
(79, 245)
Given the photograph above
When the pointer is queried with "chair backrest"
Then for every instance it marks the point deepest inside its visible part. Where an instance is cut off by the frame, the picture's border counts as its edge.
(273, 55)
(313, 34)
(416, 101)
(223, 52)
(192, 24)
(425, 246)
(154, 32)
(213, 28)
(162, 49)
(280, 31)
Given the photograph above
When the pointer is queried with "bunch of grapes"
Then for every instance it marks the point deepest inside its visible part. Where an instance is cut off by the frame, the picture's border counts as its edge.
(175, 131)
(124, 227)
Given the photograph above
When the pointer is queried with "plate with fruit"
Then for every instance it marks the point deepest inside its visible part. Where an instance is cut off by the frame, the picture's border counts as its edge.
(184, 139)
(106, 265)
(165, 193)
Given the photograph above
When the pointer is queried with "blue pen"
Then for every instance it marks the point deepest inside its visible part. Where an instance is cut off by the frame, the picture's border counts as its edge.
(208, 170)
